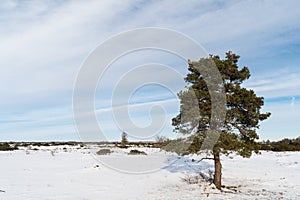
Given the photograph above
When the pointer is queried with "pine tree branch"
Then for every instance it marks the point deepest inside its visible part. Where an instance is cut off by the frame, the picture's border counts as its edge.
(240, 129)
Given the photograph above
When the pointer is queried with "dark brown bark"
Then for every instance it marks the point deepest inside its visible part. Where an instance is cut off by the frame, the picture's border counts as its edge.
(218, 171)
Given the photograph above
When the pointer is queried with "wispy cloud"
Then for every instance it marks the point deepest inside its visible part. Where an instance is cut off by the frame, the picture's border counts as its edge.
(280, 83)
(43, 44)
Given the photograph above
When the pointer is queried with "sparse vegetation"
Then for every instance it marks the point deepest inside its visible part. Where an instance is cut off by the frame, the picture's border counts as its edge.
(192, 178)
(161, 141)
(104, 152)
(136, 152)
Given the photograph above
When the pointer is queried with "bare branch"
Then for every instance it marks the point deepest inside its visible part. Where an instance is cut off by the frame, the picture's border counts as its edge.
(206, 158)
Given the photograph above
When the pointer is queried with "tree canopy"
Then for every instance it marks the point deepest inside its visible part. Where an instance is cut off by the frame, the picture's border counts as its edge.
(243, 107)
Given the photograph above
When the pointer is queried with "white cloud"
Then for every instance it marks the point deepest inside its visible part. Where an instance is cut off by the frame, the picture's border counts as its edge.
(53, 44)
(43, 43)
(281, 83)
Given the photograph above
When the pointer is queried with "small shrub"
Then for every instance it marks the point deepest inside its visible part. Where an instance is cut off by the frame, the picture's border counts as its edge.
(122, 146)
(52, 152)
(136, 152)
(104, 152)
(192, 179)
(124, 140)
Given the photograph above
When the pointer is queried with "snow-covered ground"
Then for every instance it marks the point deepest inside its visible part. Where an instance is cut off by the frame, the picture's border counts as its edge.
(61, 173)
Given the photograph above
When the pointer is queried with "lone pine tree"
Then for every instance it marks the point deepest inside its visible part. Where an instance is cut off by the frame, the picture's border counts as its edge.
(124, 140)
(243, 111)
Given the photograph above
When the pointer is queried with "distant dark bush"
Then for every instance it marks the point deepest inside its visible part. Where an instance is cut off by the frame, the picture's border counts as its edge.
(122, 146)
(179, 145)
(104, 152)
(7, 147)
(37, 144)
(136, 152)
(282, 145)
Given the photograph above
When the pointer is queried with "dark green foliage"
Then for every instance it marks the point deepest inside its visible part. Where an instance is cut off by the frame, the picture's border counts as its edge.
(6, 147)
(203, 103)
(136, 152)
(243, 107)
(282, 145)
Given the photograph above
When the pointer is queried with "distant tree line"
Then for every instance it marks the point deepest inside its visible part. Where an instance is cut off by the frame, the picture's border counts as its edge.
(161, 142)
(282, 145)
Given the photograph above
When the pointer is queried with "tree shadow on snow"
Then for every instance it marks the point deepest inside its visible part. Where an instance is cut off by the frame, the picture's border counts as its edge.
(175, 164)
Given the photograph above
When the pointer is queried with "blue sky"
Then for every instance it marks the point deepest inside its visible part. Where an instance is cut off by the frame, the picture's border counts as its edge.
(43, 44)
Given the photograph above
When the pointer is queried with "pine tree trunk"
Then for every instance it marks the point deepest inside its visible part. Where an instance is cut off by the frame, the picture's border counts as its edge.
(218, 170)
